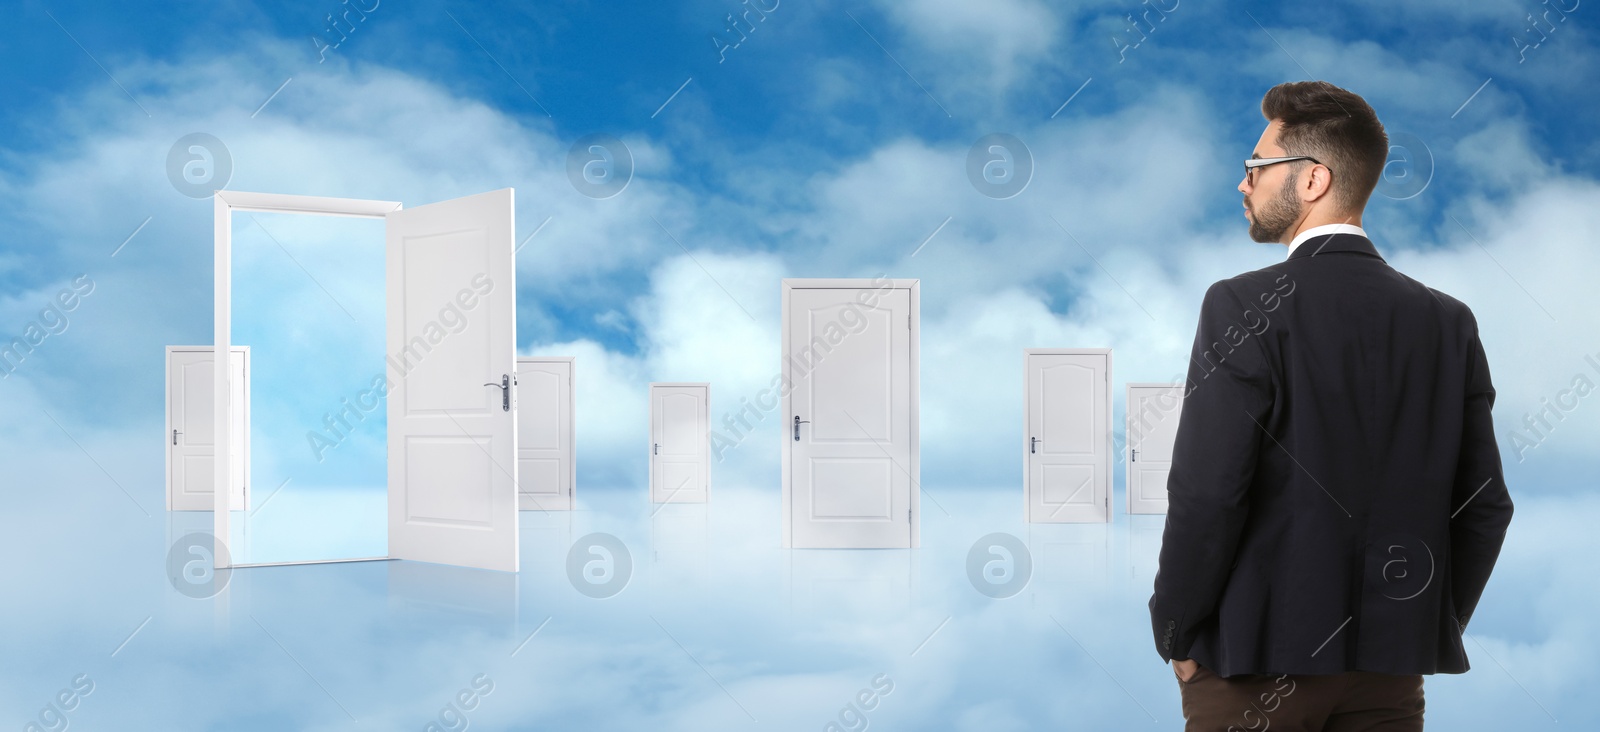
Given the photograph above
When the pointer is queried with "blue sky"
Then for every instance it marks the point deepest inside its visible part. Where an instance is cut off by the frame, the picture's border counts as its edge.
(831, 142)
(828, 143)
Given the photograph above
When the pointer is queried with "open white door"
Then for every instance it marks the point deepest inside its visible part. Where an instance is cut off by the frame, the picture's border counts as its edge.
(545, 452)
(850, 450)
(452, 413)
(680, 442)
(1066, 449)
(190, 434)
(1152, 427)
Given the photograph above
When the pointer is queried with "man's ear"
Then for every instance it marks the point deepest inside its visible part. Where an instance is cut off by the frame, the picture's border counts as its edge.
(1318, 185)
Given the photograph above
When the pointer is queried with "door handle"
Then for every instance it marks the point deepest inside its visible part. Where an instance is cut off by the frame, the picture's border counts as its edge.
(1033, 443)
(505, 391)
(797, 422)
(175, 434)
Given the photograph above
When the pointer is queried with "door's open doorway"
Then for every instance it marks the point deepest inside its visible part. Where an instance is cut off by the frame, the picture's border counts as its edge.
(448, 330)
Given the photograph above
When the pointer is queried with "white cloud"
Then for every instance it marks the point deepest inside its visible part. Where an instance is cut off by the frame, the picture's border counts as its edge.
(1131, 186)
(1500, 158)
(1522, 267)
(1394, 80)
(996, 41)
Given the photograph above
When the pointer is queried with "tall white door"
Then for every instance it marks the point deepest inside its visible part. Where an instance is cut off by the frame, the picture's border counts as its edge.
(190, 437)
(850, 429)
(1152, 426)
(1067, 435)
(545, 454)
(680, 442)
(452, 352)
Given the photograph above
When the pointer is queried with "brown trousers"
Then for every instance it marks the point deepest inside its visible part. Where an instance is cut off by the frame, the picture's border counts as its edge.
(1355, 701)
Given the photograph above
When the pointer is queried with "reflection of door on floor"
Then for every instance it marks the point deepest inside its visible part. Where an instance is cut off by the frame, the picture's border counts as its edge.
(680, 442)
(190, 440)
(545, 449)
(1152, 426)
(850, 421)
(1066, 453)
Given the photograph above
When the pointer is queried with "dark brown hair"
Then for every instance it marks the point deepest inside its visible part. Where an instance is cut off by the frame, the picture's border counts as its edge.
(1334, 126)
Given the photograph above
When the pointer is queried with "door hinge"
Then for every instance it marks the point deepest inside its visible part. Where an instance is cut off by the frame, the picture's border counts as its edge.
(908, 321)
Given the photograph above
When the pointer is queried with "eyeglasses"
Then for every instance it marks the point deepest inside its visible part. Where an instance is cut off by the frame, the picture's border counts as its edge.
(1253, 163)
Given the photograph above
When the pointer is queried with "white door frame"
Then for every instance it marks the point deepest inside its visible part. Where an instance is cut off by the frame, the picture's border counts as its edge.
(1127, 431)
(570, 427)
(1027, 485)
(789, 285)
(224, 204)
(650, 440)
(244, 352)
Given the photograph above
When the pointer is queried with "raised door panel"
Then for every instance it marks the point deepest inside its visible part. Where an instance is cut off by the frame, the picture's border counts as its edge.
(680, 433)
(544, 435)
(451, 336)
(1067, 457)
(850, 481)
(1152, 426)
(192, 451)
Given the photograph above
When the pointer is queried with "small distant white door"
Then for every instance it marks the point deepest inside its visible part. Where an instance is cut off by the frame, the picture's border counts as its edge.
(850, 421)
(1066, 450)
(545, 453)
(1152, 426)
(680, 442)
(451, 320)
(190, 440)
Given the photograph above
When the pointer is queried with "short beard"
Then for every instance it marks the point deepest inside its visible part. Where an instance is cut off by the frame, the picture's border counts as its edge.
(1278, 214)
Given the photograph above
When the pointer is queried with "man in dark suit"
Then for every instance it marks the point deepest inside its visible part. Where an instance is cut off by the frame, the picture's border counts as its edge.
(1335, 501)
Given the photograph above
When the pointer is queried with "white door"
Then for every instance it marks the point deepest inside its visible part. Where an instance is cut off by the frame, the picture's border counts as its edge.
(544, 433)
(452, 352)
(1152, 426)
(850, 430)
(191, 442)
(1067, 435)
(680, 442)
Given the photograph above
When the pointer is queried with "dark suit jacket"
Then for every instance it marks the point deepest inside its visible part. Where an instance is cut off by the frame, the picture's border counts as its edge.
(1335, 501)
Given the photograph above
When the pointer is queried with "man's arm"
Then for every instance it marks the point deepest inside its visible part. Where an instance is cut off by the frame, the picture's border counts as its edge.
(1479, 502)
(1229, 393)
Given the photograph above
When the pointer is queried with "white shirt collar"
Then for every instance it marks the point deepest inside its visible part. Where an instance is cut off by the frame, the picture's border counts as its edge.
(1325, 229)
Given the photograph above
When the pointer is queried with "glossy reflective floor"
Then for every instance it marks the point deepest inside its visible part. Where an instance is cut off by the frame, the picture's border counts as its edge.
(304, 523)
(712, 627)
